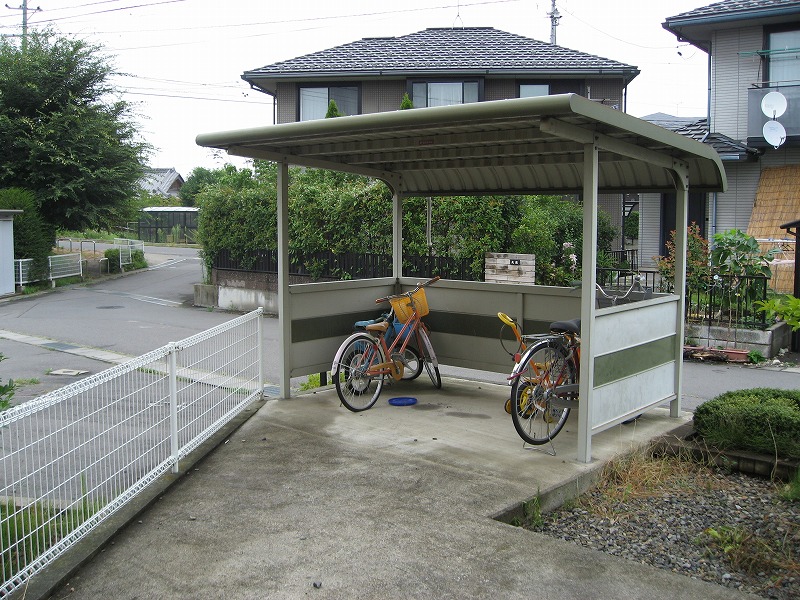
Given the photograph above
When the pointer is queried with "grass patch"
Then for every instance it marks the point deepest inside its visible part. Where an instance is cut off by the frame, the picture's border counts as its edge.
(791, 491)
(26, 532)
(89, 234)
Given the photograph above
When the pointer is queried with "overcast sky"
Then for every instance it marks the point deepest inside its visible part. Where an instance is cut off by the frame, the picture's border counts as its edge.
(182, 60)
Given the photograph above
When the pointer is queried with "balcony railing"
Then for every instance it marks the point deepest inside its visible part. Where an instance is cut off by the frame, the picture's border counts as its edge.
(756, 118)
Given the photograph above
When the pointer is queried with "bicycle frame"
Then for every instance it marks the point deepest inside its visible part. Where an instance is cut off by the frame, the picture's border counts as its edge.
(386, 365)
(542, 372)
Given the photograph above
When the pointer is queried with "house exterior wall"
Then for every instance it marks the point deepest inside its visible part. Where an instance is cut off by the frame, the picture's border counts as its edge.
(732, 209)
(287, 103)
(612, 204)
(499, 89)
(607, 91)
(649, 229)
(731, 76)
(382, 95)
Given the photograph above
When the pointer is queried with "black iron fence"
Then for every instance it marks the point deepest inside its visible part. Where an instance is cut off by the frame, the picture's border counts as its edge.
(625, 259)
(727, 301)
(720, 300)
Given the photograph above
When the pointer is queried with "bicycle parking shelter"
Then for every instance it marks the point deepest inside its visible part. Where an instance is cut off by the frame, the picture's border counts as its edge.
(631, 354)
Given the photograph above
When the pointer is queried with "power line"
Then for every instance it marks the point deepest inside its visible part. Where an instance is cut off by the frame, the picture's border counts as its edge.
(110, 10)
(269, 101)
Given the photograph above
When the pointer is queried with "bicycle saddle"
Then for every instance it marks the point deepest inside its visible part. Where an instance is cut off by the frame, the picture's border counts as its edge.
(382, 326)
(573, 326)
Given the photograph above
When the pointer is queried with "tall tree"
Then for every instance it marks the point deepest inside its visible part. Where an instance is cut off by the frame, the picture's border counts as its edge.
(196, 181)
(64, 134)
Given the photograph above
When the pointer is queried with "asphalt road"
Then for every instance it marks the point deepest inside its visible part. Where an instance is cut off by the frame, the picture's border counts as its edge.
(138, 312)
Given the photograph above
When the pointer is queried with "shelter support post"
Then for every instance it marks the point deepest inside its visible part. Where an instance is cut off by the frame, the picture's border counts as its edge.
(681, 177)
(589, 279)
(397, 236)
(284, 316)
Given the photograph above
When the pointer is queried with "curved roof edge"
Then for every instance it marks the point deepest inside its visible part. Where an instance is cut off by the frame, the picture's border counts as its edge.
(526, 145)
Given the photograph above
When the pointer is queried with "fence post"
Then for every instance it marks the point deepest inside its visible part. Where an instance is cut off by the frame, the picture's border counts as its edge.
(260, 350)
(172, 357)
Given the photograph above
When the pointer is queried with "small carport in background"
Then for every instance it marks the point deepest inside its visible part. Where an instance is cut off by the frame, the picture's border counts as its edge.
(631, 355)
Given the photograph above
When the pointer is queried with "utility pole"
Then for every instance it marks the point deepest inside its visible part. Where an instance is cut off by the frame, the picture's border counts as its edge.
(554, 17)
(24, 9)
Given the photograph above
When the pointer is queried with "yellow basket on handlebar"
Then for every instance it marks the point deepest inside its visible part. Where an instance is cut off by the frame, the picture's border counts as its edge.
(402, 305)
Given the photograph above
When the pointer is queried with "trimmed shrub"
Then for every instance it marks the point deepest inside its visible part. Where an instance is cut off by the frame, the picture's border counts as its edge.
(761, 420)
(137, 260)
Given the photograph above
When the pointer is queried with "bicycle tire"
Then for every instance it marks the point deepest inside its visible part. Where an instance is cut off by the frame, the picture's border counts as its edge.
(545, 366)
(429, 357)
(413, 364)
(357, 390)
(433, 373)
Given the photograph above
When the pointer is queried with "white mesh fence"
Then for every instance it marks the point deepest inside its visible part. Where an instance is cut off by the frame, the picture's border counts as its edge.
(73, 457)
(65, 265)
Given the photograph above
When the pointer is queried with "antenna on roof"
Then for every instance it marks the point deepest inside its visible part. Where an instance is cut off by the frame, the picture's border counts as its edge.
(554, 17)
(458, 16)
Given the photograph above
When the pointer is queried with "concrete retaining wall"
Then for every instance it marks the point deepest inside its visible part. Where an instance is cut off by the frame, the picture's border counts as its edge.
(767, 342)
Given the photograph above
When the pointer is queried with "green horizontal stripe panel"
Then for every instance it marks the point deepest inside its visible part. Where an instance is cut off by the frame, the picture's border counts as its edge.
(637, 359)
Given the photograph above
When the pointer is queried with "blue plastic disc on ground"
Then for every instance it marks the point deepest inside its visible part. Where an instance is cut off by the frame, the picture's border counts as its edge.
(402, 401)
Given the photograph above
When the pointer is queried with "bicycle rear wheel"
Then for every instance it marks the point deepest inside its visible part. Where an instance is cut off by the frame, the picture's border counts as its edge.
(546, 366)
(357, 387)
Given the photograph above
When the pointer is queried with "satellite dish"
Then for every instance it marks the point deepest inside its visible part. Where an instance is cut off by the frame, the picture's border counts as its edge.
(773, 105)
(774, 133)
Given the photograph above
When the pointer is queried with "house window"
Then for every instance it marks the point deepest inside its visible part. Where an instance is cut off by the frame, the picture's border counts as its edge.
(784, 57)
(533, 90)
(444, 93)
(314, 101)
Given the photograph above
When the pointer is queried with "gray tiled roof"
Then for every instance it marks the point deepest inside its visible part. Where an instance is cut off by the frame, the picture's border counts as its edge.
(444, 50)
(697, 129)
(728, 8)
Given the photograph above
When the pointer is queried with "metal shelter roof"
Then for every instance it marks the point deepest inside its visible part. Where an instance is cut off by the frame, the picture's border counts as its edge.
(520, 146)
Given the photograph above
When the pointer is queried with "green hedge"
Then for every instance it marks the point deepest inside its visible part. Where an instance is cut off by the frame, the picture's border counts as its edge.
(137, 257)
(759, 420)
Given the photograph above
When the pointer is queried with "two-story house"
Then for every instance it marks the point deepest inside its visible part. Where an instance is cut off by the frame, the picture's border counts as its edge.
(753, 49)
(439, 67)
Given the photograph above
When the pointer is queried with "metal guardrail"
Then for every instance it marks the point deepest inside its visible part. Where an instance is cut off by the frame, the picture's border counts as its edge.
(58, 266)
(73, 457)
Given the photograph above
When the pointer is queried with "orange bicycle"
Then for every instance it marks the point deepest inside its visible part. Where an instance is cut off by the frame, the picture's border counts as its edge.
(545, 374)
(544, 380)
(364, 359)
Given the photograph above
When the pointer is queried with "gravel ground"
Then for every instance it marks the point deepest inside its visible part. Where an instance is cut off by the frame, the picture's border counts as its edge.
(667, 528)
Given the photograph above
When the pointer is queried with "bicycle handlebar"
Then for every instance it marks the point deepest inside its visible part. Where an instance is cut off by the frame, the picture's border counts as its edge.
(419, 285)
(637, 285)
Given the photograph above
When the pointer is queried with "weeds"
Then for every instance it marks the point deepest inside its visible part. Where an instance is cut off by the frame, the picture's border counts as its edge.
(748, 552)
(791, 491)
(532, 511)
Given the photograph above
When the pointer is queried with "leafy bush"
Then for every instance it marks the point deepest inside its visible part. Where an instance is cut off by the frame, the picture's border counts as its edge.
(33, 238)
(787, 307)
(137, 260)
(759, 420)
(697, 260)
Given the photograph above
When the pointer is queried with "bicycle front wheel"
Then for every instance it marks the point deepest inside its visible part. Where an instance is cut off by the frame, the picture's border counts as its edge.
(429, 357)
(356, 382)
(412, 362)
(545, 367)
